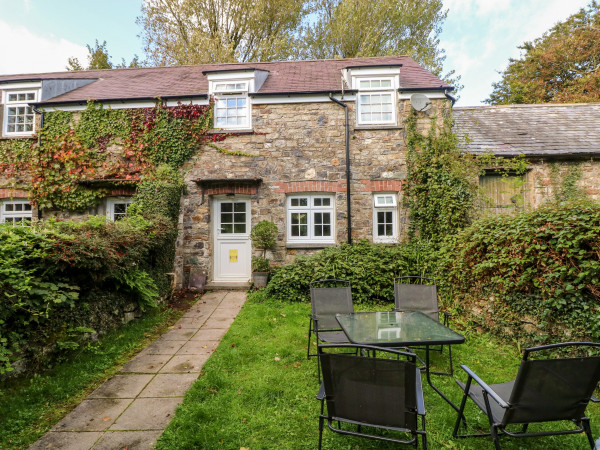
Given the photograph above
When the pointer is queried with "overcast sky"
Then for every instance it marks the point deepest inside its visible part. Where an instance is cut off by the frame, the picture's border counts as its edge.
(479, 35)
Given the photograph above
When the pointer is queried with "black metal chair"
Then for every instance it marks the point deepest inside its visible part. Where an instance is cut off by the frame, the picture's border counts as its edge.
(376, 398)
(328, 298)
(545, 390)
(415, 293)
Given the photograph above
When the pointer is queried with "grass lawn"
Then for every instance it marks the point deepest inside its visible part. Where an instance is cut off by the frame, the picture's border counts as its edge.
(30, 406)
(257, 391)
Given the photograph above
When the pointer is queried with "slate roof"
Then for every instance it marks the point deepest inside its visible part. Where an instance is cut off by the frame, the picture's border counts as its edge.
(285, 77)
(549, 129)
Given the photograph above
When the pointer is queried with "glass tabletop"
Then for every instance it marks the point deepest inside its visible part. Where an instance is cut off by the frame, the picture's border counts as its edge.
(396, 328)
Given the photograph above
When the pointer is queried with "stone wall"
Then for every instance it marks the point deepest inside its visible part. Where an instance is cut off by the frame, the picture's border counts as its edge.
(296, 148)
(543, 179)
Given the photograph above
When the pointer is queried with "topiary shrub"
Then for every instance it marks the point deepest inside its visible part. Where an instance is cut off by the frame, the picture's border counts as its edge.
(370, 268)
(532, 277)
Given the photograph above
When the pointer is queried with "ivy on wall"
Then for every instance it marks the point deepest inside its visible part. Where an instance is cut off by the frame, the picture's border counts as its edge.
(442, 183)
(103, 144)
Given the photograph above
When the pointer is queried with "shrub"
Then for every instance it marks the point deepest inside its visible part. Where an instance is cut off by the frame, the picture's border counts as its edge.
(535, 275)
(264, 236)
(49, 271)
(370, 268)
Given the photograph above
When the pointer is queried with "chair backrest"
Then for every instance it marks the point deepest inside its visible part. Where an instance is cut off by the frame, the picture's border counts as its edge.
(328, 298)
(553, 389)
(373, 391)
(416, 294)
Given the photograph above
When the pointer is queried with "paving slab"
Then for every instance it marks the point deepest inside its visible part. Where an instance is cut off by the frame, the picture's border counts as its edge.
(198, 312)
(206, 334)
(169, 385)
(178, 334)
(129, 440)
(145, 364)
(191, 322)
(199, 347)
(219, 322)
(122, 386)
(66, 440)
(95, 414)
(163, 347)
(185, 364)
(147, 414)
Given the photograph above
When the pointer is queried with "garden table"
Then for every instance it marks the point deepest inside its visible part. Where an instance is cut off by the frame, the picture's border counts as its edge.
(399, 329)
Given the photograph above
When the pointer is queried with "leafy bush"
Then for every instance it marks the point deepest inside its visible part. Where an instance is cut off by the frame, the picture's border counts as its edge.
(260, 264)
(370, 268)
(53, 274)
(534, 275)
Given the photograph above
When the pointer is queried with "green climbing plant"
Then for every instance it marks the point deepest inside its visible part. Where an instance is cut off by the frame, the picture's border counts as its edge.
(442, 183)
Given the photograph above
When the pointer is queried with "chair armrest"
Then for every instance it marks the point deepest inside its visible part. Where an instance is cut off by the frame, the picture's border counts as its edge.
(420, 399)
(321, 394)
(484, 386)
(447, 316)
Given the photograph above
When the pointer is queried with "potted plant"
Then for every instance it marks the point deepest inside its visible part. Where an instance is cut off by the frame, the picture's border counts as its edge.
(264, 236)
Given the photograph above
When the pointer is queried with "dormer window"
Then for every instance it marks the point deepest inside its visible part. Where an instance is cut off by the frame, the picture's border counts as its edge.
(19, 117)
(376, 101)
(230, 90)
(232, 108)
(377, 93)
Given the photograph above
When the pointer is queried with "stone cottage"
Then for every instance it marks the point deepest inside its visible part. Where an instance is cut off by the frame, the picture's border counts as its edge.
(317, 147)
(294, 125)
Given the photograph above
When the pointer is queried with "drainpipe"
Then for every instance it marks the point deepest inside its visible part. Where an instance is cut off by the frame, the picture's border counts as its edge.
(348, 203)
(41, 113)
(450, 97)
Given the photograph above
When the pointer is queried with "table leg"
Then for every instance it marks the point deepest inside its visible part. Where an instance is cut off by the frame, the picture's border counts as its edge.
(428, 375)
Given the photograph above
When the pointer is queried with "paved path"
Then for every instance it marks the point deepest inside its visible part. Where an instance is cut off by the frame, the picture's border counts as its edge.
(132, 408)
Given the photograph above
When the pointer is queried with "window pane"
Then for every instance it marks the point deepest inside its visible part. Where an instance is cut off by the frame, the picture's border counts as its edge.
(9, 207)
(239, 228)
(239, 218)
(120, 208)
(226, 228)
(299, 201)
(386, 83)
(226, 218)
(12, 97)
(239, 207)
(364, 84)
(226, 207)
(299, 218)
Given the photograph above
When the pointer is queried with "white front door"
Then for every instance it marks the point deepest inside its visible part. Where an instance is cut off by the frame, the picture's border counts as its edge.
(233, 250)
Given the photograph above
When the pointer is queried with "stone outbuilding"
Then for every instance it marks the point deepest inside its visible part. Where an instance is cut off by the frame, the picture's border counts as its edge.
(561, 143)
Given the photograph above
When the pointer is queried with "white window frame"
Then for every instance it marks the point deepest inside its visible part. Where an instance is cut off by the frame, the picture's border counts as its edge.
(23, 103)
(385, 203)
(372, 91)
(26, 212)
(110, 207)
(311, 209)
(227, 91)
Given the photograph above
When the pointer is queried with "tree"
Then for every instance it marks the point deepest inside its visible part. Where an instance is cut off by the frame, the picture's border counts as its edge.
(99, 58)
(354, 28)
(219, 31)
(563, 65)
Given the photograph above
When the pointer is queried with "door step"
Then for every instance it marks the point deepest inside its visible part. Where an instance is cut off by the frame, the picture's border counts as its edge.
(223, 286)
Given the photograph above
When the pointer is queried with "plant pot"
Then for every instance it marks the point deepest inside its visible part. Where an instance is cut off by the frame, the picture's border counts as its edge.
(259, 279)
